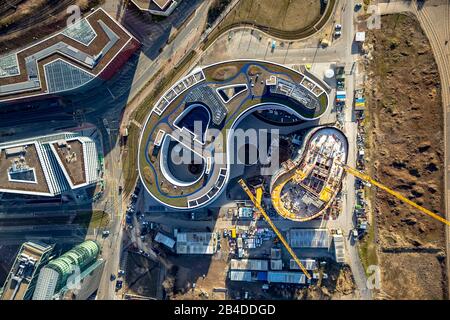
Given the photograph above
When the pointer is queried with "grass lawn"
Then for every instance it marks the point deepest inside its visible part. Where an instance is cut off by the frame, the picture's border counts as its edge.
(286, 15)
(130, 165)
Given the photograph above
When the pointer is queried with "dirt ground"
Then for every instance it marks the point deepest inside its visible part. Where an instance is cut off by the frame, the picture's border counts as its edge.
(405, 140)
(207, 272)
(24, 21)
(142, 275)
(281, 14)
(338, 286)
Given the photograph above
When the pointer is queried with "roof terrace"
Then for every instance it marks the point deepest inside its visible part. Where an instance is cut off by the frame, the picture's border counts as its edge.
(66, 60)
(228, 91)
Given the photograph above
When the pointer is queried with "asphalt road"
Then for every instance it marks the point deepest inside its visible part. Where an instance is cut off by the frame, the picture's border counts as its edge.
(105, 101)
(243, 43)
(108, 100)
(145, 69)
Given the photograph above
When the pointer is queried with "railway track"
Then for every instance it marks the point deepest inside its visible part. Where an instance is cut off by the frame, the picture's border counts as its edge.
(7, 6)
(440, 54)
(16, 30)
(48, 11)
(442, 60)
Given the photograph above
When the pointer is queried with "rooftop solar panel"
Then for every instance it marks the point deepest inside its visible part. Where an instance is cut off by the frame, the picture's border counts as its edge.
(81, 32)
(64, 76)
(8, 66)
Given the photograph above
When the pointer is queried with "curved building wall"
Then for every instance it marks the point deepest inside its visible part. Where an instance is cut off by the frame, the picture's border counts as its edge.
(80, 256)
(188, 90)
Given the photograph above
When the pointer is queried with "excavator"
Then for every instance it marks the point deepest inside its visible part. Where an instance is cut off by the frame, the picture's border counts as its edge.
(364, 177)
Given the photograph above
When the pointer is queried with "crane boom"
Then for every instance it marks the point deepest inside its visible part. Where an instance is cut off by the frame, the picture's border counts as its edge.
(367, 178)
(272, 225)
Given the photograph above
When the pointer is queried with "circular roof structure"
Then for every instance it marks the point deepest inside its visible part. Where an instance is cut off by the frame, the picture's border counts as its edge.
(329, 73)
(228, 92)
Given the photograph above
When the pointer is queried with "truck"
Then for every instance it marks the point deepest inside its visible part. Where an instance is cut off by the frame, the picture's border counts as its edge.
(324, 43)
(340, 77)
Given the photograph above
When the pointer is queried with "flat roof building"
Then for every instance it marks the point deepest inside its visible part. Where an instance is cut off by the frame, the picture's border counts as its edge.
(157, 7)
(212, 99)
(245, 213)
(309, 264)
(339, 248)
(196, 243)
(249, 264)
(241, 276)
(88, 285)
(94, 47)
(275, 253)
(21, 280)
(165, 240)
(48, 165)
(309, 238)
(276, 264)
(286, 277)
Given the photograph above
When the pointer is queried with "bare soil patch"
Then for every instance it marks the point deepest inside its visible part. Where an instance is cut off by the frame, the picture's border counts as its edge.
(142, 275)
(207, 272)
(405, 139)
(399, 281)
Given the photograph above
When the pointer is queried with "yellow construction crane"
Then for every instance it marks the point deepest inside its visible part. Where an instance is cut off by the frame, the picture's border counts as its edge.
(369, 179)
(257, 203)
(397, 195)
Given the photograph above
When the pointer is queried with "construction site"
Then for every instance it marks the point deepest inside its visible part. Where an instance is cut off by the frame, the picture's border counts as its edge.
(304, 187)
(343, 198)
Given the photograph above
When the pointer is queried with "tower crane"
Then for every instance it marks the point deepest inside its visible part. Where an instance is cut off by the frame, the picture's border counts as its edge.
(364, 177)
(397, 195)
(257, 204)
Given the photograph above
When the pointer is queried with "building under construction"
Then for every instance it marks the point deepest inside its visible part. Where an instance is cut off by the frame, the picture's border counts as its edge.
(305, 187)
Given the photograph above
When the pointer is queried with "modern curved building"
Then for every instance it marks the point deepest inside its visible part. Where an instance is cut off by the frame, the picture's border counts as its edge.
(54, 275)
(184, 156)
